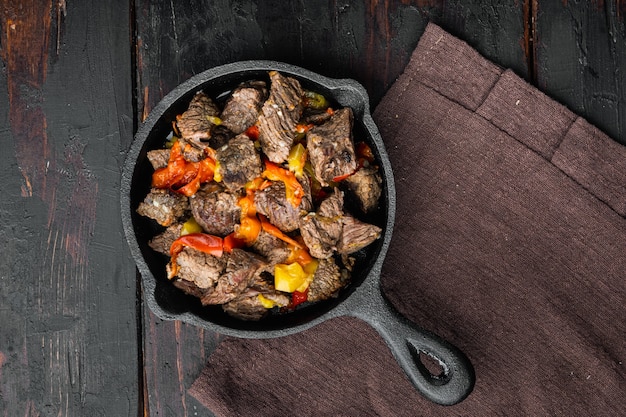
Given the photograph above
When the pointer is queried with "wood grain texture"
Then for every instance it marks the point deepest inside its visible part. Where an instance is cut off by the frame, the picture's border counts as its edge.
(581, 56)
(368, 41)
(68, 335)
(68, 343)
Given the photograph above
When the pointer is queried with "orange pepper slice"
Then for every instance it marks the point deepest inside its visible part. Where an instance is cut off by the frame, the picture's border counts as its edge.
(276, 232)
(248, 229)
(293, 188)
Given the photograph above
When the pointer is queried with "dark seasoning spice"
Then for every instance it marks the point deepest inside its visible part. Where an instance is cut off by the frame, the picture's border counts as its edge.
(253, 194)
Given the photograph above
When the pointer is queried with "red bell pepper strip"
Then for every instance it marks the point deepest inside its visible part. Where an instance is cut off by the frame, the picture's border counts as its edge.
(252, 132)
(298, 297)
(342, 177)
(232, 241)
(204, 173)
(182, 176)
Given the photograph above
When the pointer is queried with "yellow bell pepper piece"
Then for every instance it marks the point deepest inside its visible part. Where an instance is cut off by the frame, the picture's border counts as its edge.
(190, 226)
(266, 302)
(296, 159)
(217, 173)
(293, 277)
(215, 120)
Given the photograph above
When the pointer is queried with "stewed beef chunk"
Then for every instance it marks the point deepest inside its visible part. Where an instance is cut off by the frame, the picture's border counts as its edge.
(315, 116)
(163, 241)
(196, 122)
(189, 287)
(321, 231)
(215, 210)
(242, 108)
(328, 279)
(332, 206)
(330, 147)
(192, 150)
(220, 135)
(272, 202)
(356, 235)
(159, 158)
(248, 306)
(272, 248)
(163, 206)
(199, 268)
(279, 116)
(365, 186)
(240, 271)
(239, 162)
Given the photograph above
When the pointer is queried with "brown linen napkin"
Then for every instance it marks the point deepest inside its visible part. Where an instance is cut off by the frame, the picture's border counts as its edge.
(510, 243)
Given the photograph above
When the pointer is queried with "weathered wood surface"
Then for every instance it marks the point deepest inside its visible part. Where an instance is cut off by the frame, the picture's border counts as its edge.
(581, 59)
(77, 77)
(68, 335)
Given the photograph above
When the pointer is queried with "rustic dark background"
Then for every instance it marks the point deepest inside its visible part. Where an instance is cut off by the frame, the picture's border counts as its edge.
(78, 77)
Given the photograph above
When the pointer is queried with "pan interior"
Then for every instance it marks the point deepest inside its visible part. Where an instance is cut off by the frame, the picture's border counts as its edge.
(165, 299)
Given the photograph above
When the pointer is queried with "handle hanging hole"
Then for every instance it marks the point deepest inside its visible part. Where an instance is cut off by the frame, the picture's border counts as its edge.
(429, 365)
(434, 366)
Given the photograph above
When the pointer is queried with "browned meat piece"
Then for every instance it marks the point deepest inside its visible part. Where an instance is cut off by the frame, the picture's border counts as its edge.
(159, 158)
(163, 241)
(279, 116)
(278, 297)
(307, 200)
(272, 248)
(365, 186)
(332, 206)
(327, 280)
(240, 271)
(316, 117)
(330, 147)
(320, 234)
(242, 108)
(321, 231)
(195, 123)
(215, 210)
(190, 288)
(192, 150)
(356, 235)
(199, 268)
(272, 202)
(239, 162)
(246, 307)
(163, 206)
(220, 135)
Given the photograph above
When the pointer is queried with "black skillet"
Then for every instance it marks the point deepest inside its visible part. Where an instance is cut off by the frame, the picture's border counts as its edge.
(362, 298)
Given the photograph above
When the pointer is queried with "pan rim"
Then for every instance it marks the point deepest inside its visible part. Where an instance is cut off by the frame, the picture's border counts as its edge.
(358, 294)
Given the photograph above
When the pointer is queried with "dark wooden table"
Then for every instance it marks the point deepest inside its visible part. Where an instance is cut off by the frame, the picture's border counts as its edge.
(78, 77)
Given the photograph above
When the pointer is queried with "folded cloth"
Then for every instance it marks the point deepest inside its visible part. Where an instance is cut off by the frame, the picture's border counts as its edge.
(510, 243)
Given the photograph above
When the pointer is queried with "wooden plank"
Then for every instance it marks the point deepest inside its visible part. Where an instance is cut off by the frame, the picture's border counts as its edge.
(499, 30)
(68, 338)
(367, 41)
(581, 54)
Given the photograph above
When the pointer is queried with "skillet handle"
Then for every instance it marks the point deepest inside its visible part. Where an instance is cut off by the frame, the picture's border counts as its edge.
(408, 342)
